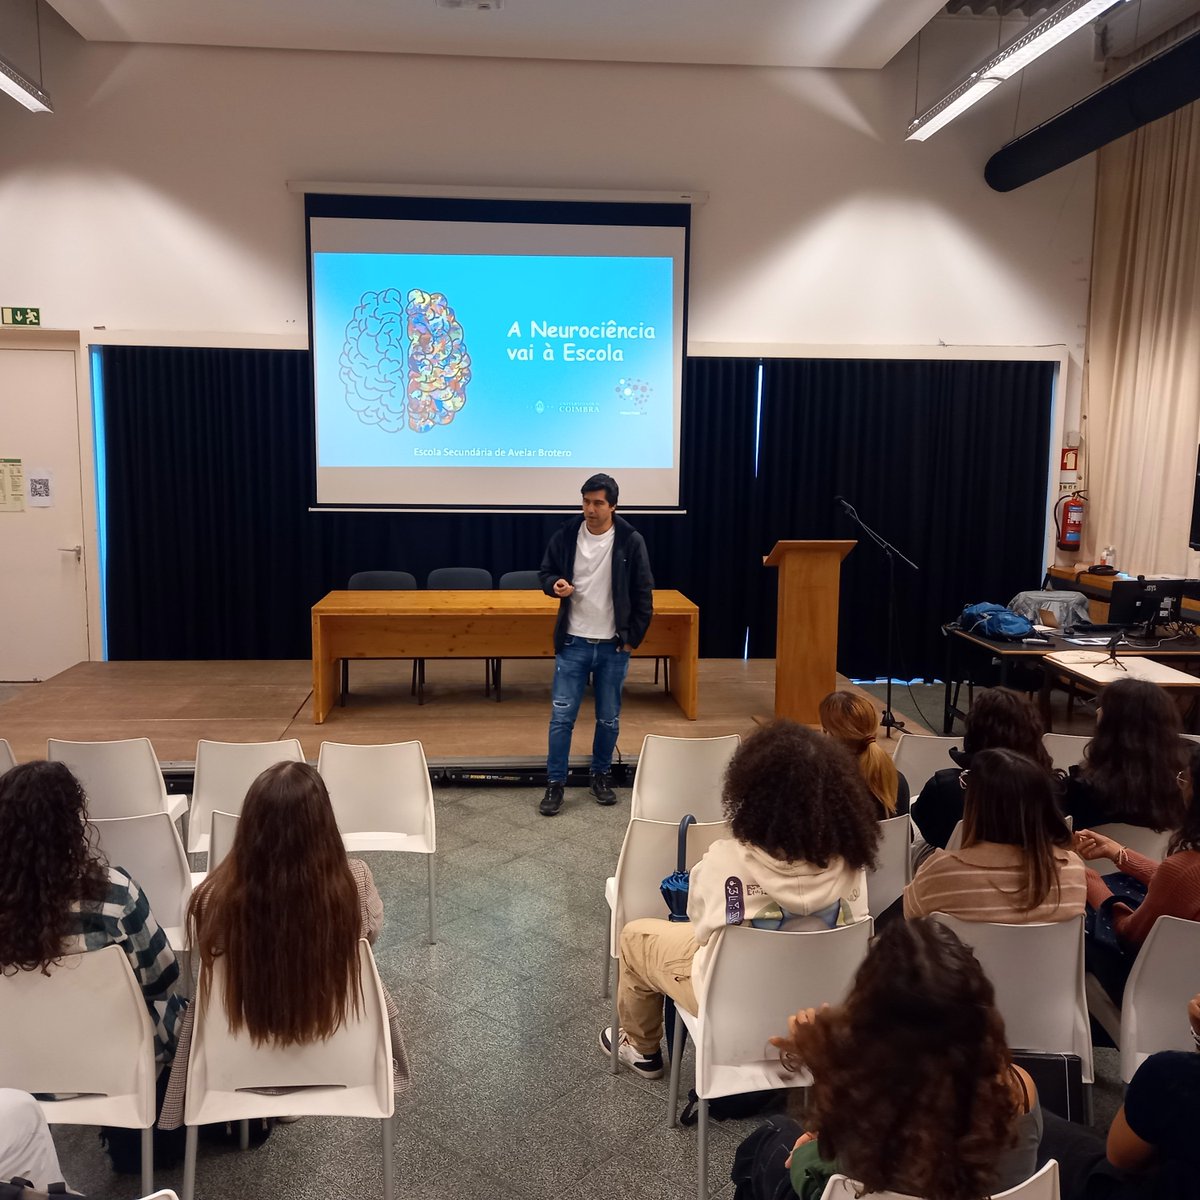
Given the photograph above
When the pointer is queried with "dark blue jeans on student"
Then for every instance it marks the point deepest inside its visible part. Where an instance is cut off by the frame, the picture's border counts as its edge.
(607, 664)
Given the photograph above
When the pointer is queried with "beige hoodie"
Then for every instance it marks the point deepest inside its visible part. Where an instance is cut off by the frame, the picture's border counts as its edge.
(797, 887)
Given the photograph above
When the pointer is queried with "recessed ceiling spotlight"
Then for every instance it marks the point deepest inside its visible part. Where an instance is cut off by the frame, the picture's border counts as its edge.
(477, 5)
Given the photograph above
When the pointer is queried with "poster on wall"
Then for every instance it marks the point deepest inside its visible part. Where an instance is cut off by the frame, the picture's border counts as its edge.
(12, 485)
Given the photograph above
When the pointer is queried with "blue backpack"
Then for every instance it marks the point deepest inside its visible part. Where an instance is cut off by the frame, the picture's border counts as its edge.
(995, 621)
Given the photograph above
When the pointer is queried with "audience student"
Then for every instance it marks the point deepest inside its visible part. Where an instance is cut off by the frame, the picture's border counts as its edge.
(999, 718)
(914, 1089)
(851, 719)
(1132, 768)
(285, 911)
(58, 896)
(1121, 923)
(804, 833)
(1016, 864)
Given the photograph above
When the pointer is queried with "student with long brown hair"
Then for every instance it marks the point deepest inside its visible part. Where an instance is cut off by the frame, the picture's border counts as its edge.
(851, 719)
(1016, 864)
(913, 1086)
(285, 911)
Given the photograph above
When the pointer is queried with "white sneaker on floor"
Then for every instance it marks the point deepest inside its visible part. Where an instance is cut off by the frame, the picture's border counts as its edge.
(648, 1066)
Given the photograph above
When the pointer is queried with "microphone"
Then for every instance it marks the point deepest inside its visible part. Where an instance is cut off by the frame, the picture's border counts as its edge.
(845, 504)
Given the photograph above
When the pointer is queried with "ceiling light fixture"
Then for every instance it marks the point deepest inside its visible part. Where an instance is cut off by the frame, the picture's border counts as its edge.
(22, 90)
(1006, 62)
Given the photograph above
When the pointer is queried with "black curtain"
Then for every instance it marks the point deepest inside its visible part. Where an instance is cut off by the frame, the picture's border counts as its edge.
(212, 552)
(947, 460)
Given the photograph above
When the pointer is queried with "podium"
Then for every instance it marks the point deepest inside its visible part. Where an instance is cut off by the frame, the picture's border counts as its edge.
(807, 626)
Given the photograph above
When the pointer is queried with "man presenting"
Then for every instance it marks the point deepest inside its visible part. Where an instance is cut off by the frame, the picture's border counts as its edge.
(597, 566)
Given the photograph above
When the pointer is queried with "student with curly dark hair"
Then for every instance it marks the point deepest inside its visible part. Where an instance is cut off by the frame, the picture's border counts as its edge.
(58, 896)
(914, 1089)
(999, 719)
(1131, 769)
(804, 833)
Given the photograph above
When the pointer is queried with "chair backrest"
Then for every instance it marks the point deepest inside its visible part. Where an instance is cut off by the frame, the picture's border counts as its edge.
(918, 756)
(7, 758)
(149, 848)
(382, 581)
(1149, 842)
(381, 795)
(224, 772)
(459, 579)
(648, 855)
(954, 841)
(757, 978)
(887, 882)
(222, 830)
(1065, 749)
(83, 1029)
(1042, 1186)
(520, 581)
(1164, 977)
(121, 778)
(1037, 971)
(348, 1074)
(676, 776)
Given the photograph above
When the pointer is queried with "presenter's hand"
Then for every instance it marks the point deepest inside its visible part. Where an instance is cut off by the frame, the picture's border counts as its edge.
(562, 588)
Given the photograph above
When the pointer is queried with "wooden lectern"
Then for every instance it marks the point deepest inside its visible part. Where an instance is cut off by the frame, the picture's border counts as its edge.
(807, 628)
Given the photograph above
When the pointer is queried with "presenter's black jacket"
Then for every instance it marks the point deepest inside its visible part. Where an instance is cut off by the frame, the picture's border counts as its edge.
(632, 583)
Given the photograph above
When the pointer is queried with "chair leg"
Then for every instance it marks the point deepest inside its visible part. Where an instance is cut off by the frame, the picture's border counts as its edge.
(487, 676)
(345, 682)
(189, 1162)
(147, 1161)
(385, 1127)
(497, 668)
(413, 689)
(432, 900)
(702, 1150)
(676, 1067)
(615, 1031)
(666, 674)
(607, 972)
(656, 662)
(243, 1135)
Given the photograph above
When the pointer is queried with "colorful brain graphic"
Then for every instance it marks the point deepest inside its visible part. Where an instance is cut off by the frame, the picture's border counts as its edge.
(405, 359)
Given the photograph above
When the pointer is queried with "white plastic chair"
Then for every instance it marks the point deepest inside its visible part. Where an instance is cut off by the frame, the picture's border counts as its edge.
(347, 1075)
(224, 773)
(1037, 971)
(222, 831)
(166, 1194)
(757, 979)
(954, 841)
(383, 800)
(919, 755)
(887, 882)
(1042, 1186)
(82, 1031)
(1164, 977)
(649, 854)
(1065, 749)
(678, 775)
(149, 848)
(121, 778)
(1149, 842)
(7, 758)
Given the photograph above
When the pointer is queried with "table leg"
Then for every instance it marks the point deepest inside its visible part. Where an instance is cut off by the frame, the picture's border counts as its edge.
(683, 673)
(325, 673)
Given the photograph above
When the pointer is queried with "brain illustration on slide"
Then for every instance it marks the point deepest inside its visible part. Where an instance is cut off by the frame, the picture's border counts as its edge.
(405, 359)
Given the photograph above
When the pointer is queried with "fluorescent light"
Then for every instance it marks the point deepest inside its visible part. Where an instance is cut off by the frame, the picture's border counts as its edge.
(1006, 62)
(22, 90)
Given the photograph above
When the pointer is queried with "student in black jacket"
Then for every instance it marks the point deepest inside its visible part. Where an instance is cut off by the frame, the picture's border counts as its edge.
(597, 566)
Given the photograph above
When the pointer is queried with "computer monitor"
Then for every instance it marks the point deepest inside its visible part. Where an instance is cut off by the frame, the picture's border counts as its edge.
(1147, 602)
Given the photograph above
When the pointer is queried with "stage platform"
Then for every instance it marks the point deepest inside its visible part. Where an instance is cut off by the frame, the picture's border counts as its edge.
(175, 704)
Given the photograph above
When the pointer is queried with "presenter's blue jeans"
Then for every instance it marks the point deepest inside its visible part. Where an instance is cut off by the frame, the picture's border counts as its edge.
(607, 663)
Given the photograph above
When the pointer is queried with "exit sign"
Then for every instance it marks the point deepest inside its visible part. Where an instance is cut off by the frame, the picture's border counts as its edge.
(20, 316)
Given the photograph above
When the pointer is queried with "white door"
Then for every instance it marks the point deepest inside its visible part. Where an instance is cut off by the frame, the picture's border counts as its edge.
(43, 597)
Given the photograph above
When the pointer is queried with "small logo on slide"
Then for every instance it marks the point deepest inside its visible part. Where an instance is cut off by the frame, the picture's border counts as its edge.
(405, 358)
(634, 395)
(539, 408)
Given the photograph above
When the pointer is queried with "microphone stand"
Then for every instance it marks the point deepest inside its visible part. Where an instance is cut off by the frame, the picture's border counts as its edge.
(888, 720)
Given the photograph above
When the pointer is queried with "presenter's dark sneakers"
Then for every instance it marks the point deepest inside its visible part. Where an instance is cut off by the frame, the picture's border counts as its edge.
(602, 789)
(552, 801)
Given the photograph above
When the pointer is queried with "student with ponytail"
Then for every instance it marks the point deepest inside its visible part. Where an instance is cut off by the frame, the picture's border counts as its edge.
(851, 719)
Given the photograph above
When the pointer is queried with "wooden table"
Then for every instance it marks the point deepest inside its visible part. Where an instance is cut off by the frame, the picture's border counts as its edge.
(1094, 670)
(478, 624)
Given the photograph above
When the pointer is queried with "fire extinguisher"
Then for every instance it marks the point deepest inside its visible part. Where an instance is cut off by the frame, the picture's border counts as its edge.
(1068, 521)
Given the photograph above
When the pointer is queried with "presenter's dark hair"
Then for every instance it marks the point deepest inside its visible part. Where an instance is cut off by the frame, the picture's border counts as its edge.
(48, 863)
(602, 483)
(799, 796)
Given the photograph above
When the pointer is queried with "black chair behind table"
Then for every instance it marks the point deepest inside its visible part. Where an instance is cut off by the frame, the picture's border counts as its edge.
(458, 579)
(378, 581)
(513, 581)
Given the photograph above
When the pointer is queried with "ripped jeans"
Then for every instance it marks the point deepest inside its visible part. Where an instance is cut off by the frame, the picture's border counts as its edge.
(607, 663)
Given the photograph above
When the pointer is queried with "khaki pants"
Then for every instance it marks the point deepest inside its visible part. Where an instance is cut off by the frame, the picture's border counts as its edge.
(656, 961)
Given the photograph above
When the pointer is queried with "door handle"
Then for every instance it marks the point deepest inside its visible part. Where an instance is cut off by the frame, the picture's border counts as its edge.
(75, 550)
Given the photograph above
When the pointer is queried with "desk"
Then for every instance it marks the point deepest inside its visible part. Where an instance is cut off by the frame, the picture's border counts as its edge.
(1094, 670)
(1012, 654)
(1098, 590)
(478, 624)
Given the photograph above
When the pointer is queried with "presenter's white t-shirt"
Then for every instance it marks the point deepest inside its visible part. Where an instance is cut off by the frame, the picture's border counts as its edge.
(592, 601)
